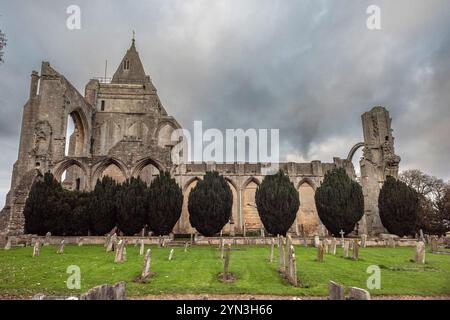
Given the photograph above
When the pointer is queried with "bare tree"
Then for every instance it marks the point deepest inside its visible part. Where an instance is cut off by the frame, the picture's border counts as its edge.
(2, 45)
(433, 194)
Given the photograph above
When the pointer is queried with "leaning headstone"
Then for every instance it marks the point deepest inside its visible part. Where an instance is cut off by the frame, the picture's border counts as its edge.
(61, 248)
(358, 294)
(363, 240)
(355, 255)
(186, 246)
(335, 291)
(142, 248)
(146, 272)
(316, 241)
(107, 239)
(37, 249)
(8, 244)
(292, 275)
(346, 248)
(333, 247)
(272, 245)
(320, 251)
(222, 248)
(420, 252)
(171, 254)
(112, 244)
(120, 252)
(106, 292)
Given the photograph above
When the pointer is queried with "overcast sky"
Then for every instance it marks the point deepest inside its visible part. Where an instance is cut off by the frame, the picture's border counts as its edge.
(308, 68)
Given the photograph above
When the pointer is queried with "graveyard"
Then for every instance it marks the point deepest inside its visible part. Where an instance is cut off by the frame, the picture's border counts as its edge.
(196, 269)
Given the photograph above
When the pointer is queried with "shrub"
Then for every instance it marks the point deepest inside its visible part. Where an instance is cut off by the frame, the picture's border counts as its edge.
(339, 201)
(210, 203)
(277, 201)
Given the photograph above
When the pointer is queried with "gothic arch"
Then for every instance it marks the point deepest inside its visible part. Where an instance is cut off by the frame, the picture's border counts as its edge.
(62, 166)
(81, 132)
(251, 179)
(189, 182)
(171, 125)
(308, 181)
(142, 163)
(353, 150)
(102, 165)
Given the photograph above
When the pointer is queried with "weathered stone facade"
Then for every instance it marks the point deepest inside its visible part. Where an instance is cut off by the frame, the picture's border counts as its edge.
(121, 129)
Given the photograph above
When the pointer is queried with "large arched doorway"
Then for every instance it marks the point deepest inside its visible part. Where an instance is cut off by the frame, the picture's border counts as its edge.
(147, 169)
(113, 171)
(307, 217)
(252, 221)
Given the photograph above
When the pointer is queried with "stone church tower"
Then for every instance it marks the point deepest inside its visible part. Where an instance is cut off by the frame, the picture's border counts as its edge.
(122, 130)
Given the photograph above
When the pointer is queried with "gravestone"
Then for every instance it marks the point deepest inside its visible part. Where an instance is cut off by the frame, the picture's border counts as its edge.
(8, 244)
(282, 254)
(355, 255)
(363, 240)
(272, 245)
(326, 245)
(333, 246)
(292, 267)
(391, 242)
(420, 252)
(146, 271)
(171, 254)
(434, 244)
(320, 251)
(222, 248)
(316, 241)
(346, 248)
(335, 291)
(186, 246)
(358, 294)
(106, 292)
(112, 244)
(80, 242)
(37, 249)
(47, 239)
(142, 248)
(119, 258)
(61, 248)
(342, 233)
(107, 239)
(263, 233)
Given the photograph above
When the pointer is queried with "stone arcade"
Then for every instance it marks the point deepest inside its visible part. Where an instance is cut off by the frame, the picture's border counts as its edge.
(121, 129)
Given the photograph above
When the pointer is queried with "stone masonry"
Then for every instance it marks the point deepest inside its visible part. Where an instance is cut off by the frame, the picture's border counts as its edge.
(122, 130)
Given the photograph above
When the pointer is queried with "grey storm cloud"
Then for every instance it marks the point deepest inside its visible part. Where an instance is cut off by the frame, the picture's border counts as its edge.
(307, 68)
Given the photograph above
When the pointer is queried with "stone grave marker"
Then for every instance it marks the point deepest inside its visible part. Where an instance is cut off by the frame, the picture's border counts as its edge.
(363, 240)
(272, 245)
(346, 248)
(61, 247)
(355, 255)
(358, 294)
(333, 246)
(420, 252)
(171, 254)
(320, 251)
(316, 241)
(119, 258)
(335, 291)
(142, 248)
(37, 249)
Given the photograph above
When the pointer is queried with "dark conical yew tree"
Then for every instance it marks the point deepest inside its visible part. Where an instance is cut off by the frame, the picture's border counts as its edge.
(210, 203)
(277, 201)
(102, 206)
(339, 202)
(131, 206)
(42, 208)
(398, 205)
(165, 202)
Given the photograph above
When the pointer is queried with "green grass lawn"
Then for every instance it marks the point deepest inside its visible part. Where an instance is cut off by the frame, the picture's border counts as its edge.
(196, 271)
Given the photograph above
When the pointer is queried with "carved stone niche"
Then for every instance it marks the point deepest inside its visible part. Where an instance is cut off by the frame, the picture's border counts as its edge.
(42, 138)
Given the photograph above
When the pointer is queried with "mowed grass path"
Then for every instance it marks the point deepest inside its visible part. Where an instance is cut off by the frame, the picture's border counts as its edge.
(196, 271)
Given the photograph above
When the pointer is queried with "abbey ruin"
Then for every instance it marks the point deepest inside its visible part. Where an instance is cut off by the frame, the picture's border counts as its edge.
(122, 130)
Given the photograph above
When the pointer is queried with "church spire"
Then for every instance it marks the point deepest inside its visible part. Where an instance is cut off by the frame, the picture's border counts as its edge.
(130, 69)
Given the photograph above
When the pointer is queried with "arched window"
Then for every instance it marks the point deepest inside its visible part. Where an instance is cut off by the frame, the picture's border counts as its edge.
(126, 65)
